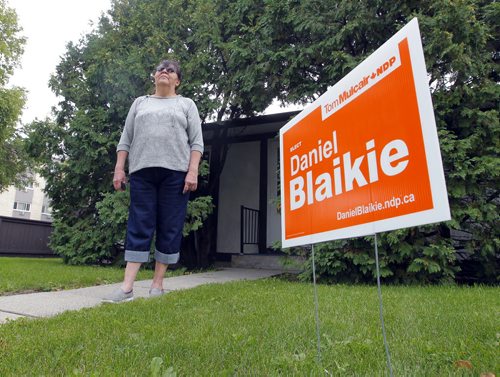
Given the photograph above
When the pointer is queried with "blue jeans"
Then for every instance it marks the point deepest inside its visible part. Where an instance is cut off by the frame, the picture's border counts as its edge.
(156, 204)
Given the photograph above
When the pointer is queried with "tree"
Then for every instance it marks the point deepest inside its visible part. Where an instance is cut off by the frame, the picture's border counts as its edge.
(12, 159)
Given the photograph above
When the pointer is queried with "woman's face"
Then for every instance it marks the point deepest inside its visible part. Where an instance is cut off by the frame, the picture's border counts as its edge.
(166, 75)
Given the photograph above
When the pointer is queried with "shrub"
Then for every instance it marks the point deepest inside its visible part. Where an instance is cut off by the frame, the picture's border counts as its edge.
(99, 239)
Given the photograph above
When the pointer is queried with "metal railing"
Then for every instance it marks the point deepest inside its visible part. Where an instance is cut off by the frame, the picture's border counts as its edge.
(249, 227)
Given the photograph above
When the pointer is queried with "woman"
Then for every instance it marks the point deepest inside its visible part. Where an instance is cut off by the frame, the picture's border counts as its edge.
(163, 141)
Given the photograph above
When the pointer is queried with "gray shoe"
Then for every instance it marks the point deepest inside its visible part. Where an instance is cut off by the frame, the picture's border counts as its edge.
(155, 292)
(119, 296)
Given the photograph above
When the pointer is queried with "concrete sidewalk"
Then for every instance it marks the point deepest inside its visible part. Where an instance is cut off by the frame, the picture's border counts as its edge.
(46, 304)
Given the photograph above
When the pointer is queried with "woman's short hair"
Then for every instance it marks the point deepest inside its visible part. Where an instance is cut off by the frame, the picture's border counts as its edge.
(172, 63)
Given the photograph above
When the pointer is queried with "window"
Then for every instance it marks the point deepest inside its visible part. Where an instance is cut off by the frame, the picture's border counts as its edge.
(46, 209)
(24, 207)
(28, 184)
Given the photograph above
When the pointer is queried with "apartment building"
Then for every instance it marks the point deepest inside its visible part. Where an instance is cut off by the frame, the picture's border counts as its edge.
(27, 203)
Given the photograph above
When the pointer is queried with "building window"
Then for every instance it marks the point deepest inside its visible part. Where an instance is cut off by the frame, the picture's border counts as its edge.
(24, 207)
(46, 210)
(25, 188)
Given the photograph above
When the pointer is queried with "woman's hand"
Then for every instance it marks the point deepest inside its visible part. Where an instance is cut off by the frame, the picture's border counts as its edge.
(191, 181)
(119, 178)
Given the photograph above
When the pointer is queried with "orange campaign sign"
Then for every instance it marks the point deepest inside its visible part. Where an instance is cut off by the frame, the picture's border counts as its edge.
(364, 157)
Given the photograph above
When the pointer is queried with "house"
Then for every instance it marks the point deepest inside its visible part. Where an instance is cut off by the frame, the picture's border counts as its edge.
(245, 153)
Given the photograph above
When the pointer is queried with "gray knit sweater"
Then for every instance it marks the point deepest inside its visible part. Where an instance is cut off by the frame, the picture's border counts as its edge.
(161, 132)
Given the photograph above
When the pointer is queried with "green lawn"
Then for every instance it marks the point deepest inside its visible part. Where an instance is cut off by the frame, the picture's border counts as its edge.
(264, 328)
(18, 275)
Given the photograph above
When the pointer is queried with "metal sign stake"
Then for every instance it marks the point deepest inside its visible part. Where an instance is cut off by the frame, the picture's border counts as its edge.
(381, 308)
(316, 305)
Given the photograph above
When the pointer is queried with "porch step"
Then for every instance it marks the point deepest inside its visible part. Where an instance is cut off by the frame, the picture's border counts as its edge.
(268, 262)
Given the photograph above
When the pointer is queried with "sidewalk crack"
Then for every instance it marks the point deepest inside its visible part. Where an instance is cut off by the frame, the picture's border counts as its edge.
(17, 313)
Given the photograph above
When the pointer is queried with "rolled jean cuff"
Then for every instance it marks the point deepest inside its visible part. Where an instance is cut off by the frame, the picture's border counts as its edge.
(136, 256)
(166, 258)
